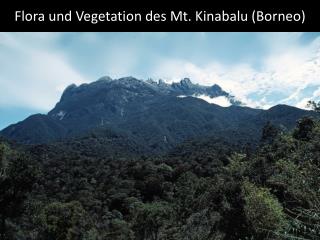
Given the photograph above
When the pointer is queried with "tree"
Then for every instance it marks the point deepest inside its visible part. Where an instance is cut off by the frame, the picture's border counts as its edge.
(237, 166)
(269, 133)
(314, 106)
(263, 211)
(120, 230)
(4, 153)
(65, 221)
(304, 129)
(149, 218)
(186, 187)
(17, 177)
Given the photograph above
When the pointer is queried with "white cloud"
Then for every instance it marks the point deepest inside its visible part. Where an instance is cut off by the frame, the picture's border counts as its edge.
(279, 42)
(316, 93)
(34, 70)
(288, 70)
(33, 73)
(221, 101)
(303, 104)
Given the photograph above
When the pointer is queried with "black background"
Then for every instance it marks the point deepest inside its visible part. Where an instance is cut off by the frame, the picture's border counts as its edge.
(8, 23)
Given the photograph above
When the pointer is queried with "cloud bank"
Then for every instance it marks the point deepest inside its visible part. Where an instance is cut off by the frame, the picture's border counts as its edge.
(33, 73)
(260, 69)
(287, 76)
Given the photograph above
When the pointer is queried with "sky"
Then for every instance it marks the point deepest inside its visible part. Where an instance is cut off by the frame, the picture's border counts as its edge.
(259, 69)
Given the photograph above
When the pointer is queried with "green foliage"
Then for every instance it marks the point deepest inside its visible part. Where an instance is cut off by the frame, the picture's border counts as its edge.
(263, 211)
(315, 106)
(237, 166)
(120, 230)
(65, 221)
(206, 189)
(304, 129)
(269, 133)
(4, 152)
(18, 174)
(150, 218)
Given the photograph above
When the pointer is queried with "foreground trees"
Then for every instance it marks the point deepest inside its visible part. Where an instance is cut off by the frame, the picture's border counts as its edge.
(18, 174)
(205, 190)
(263, 211)
(65, 221)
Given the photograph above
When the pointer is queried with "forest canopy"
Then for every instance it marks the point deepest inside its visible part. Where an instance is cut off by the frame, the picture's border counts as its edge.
(204, 189)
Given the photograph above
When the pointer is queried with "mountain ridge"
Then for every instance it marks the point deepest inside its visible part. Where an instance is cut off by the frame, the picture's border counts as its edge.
(150, 112)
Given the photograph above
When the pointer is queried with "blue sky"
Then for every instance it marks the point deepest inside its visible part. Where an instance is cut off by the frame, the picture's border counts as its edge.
(260, 69)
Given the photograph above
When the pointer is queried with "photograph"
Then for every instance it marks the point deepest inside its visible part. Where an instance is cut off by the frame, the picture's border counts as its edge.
(159, 135)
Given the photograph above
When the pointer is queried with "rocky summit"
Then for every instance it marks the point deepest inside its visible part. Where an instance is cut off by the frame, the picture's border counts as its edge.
(154, 114)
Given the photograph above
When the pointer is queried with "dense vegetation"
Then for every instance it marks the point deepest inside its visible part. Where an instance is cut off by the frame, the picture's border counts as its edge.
(202, 190)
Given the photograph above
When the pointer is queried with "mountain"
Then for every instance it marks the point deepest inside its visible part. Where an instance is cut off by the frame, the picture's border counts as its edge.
(149, 113)
(97, 144)
(186, 88)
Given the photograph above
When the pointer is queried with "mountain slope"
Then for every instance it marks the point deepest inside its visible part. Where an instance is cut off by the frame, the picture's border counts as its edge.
(148, 113)
(36, 128)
